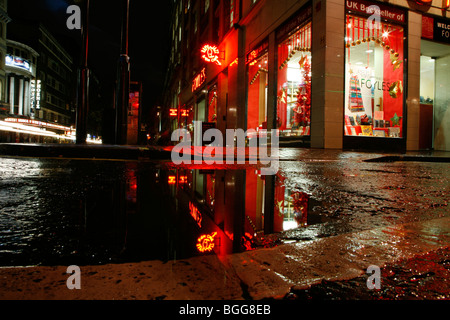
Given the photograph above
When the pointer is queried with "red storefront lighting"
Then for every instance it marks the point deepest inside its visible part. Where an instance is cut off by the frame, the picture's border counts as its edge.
(210, 54)
(199, 80)
(205, 243)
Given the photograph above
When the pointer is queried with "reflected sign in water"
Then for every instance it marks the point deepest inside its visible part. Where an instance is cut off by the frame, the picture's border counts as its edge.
(79, 212)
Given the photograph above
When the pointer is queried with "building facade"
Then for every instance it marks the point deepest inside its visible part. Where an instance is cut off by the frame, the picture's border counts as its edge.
(4, 20)
(40, 86)
(334, 74)
(21, 62)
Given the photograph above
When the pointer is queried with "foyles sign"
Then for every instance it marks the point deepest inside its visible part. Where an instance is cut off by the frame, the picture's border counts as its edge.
(436, 29)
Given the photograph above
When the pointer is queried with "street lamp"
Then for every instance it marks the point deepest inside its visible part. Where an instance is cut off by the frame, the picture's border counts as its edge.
(123, 81)
(83, 79)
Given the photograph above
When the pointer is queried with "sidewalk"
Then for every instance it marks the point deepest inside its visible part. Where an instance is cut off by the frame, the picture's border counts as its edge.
(115, 152)
(90, 151)
(326, 268)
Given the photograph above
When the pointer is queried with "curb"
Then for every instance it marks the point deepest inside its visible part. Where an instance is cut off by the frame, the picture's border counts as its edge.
(84, 152)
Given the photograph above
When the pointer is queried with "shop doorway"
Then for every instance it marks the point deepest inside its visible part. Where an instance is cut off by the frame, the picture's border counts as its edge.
(434, 124)
(199, 118)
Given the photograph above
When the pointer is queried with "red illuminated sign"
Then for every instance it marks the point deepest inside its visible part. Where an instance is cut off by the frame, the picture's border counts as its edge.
(173, 112)
(196, 215)
(172, 180)
(184, 113)
(199, 80)
(256, 53)
(182, 180)
(210, 54)
(206, 242)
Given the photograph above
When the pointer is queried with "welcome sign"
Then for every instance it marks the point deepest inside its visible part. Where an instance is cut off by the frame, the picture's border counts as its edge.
(436, 29)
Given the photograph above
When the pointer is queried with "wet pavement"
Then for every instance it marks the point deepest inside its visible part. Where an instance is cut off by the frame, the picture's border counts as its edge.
(424, 277)
(335, 213)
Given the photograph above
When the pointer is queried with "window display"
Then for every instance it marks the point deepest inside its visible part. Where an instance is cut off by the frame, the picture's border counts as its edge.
(294, 83)
(257, 93)
(374, 79)
(212, 104)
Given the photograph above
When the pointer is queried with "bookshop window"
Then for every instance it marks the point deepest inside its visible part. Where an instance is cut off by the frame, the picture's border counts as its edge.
(294, 83)
(373, 79)
(257, 93)
(212, 104)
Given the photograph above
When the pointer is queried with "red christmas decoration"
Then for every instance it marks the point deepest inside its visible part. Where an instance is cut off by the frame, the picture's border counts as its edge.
(300, 203)
(303, 107)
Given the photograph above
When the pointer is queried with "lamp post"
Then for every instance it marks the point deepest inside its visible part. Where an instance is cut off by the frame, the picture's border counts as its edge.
(83, 80)
(123, 82)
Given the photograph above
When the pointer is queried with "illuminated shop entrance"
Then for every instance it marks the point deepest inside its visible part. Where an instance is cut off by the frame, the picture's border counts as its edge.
(434, 125)
(294, 83)
(373, 80)
(257, 64)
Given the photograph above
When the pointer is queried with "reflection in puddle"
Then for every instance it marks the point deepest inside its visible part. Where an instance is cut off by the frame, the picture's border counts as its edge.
(100, 212)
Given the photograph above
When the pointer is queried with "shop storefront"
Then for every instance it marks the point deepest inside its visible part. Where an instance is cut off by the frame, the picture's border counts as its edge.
(294, 75)
(257, 87)
(434, 129)
(375, 82)
(330, 74)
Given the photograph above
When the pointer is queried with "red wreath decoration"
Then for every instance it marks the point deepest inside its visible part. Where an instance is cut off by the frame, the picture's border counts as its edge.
(303, 106)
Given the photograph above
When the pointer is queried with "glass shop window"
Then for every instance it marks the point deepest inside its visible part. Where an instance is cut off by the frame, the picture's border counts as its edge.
(212, 104)
(257, 93)
(294, 83)
(373, 79)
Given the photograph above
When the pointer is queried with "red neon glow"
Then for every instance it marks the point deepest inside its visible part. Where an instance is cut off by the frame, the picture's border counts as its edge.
(172, 180)
(237, 59)
(183, 179)
(252, 55)
(199, 80)
(206, 242)
(184, 113)
(196, 215)
(173, 112)
(210, 54)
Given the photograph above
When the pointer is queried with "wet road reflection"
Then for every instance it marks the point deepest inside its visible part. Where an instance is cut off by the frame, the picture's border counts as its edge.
(78, 212)
(63, 212)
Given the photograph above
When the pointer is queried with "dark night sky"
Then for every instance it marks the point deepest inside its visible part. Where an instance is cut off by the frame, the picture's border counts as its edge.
(148, 38)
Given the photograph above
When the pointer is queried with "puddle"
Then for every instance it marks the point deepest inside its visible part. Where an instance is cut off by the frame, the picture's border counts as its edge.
(62, 212)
